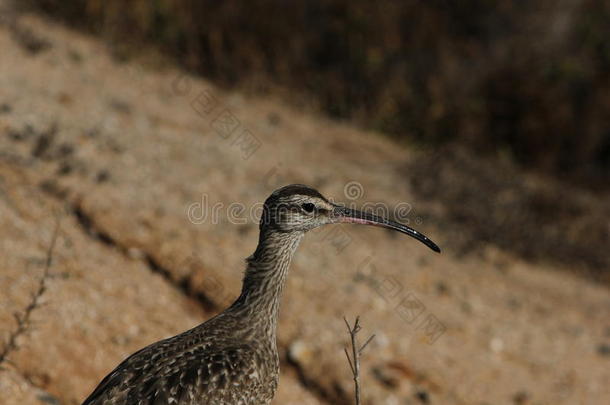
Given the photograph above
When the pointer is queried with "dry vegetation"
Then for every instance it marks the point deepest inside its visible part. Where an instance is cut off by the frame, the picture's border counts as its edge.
(23, 319)
(530, 79)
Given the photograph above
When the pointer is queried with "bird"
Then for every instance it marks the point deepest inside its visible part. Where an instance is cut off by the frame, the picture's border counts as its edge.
(232, 358)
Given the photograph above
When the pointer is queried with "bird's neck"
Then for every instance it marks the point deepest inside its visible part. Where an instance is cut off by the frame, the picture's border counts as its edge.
(264, 279)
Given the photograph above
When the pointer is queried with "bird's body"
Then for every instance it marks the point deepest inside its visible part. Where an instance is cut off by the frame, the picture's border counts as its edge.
(200, 366)
(232, 358)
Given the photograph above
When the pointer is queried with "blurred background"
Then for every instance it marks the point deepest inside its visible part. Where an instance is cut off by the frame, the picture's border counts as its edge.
(486, 122)
(530, 81)
(526, 84)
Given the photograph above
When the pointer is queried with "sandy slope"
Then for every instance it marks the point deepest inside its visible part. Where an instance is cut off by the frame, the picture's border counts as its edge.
(132, 155)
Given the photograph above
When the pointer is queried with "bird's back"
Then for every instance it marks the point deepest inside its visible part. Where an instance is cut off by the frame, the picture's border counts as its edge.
(205, 365)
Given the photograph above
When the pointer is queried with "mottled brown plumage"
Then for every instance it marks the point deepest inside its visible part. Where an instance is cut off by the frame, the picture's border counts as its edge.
(232, 358)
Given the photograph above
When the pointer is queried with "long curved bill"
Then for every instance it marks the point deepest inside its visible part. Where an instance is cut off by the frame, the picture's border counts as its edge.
(345, 214)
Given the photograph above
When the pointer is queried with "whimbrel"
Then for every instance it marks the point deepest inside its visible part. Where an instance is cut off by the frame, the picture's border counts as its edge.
(232, 358)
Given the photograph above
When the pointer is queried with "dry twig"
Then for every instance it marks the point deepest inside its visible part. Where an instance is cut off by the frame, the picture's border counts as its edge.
(24, 317)
(354, 361)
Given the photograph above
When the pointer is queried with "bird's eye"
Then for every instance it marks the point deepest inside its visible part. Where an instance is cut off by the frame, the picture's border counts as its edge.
(308, 207)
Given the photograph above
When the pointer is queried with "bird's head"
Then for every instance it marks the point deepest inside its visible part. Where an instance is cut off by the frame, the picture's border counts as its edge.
(299, 208)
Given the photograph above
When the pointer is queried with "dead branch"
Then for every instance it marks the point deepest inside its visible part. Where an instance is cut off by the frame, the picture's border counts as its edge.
(354, 361)
(23, 318)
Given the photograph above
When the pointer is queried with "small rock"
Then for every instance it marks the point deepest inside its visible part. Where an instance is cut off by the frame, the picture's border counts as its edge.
(441, 288)
(120, 340)
(75, 56)
(422, 396)
(386, 377)
(65, 149)
(15, 135)
(64, 169)
(30, 41)
(21, 135)
(120, 106)
(496, 345)
(603, 349)
(299, 352)
(274, 119)
(135, 253)
(51, 187)
(381, 340)
(44, 142)
(92, 132)
(245, 229)
(64, 98)
(521, 398)
(48, 399)
(102, 176)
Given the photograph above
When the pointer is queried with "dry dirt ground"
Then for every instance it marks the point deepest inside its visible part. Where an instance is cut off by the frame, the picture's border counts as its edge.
(142, 165)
